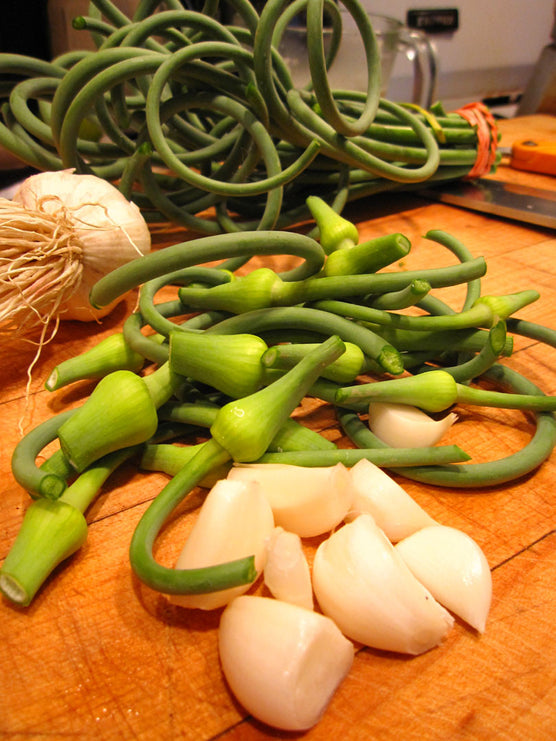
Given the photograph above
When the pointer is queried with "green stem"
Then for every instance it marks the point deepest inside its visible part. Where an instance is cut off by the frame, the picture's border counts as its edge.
(184, 581)
(39, 482)
(110, 354)
(383, 457)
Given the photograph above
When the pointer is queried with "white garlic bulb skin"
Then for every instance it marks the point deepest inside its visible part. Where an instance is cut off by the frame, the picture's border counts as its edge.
(109, 230)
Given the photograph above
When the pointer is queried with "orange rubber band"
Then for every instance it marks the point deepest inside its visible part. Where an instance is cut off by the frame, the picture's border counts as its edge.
(484, 123)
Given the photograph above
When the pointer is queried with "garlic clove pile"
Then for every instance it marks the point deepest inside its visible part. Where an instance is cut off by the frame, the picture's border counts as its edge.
(286, 572)
(393, 510)
(404, 426)
(283, 663)
(234, 521)
(306, 501)
(362, 583)
(453, 567)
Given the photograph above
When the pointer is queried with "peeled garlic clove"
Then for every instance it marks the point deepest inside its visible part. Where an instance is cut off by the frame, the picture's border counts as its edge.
(306, 501)
(393, 510)
(404, 426)
(282, 662)
(362, 583)
(453, 567)
(286, 572)
(234, 521)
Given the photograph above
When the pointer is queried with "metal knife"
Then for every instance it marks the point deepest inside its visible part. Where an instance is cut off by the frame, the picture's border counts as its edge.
(509, 200)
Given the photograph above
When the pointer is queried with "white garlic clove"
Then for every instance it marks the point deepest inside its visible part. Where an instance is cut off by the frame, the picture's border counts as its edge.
(404, 426)
(283, 663)
(362, 583)
(452, 566)
(286, 572)
(234, 521)
(393, 510)
(306, 501)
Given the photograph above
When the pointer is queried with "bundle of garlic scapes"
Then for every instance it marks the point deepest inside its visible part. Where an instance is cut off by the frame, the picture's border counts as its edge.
(58, 236)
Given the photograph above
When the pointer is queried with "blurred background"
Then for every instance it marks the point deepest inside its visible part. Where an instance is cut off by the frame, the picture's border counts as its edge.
(486, 50)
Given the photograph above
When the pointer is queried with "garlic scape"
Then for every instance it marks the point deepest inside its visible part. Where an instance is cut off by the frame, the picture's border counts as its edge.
(53, 530)
(376, 493)
(437, 390)
(404, 426)
(343, 370)
(235, 521)
(110, 354)
(453, 568)
(306, 501)
(367, 257)
(247, 426)
(242, 431)
(229, 363)
(335, 232)
(120, 412)
(362, 583)
(282, 662)
(433, 391)
(286, 572)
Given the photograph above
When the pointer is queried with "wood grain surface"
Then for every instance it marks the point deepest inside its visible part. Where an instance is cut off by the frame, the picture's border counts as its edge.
(98, 655)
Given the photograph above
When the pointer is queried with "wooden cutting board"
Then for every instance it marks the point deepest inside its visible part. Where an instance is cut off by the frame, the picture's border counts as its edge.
(98, 655)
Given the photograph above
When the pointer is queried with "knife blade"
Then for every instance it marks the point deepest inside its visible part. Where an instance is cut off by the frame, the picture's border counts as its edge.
(499, 198)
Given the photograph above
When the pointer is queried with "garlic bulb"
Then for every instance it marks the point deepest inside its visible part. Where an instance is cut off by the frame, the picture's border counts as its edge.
(286, 572)
(393, 510)
(59, 235)
(453, 567)
(362, 583)
(306, 501)
(283, 663)
(403, 426)
(234, 521)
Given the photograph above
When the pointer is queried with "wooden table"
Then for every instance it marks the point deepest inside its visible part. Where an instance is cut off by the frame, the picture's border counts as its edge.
(97, 655)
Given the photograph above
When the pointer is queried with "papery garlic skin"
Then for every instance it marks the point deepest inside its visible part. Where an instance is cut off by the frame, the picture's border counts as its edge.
(362, 583)
(306, 501)
(393, 510)
(286, 572)
(109, 229)
(235, 521)
(404, 426)
(283, 663)
(453, 568)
